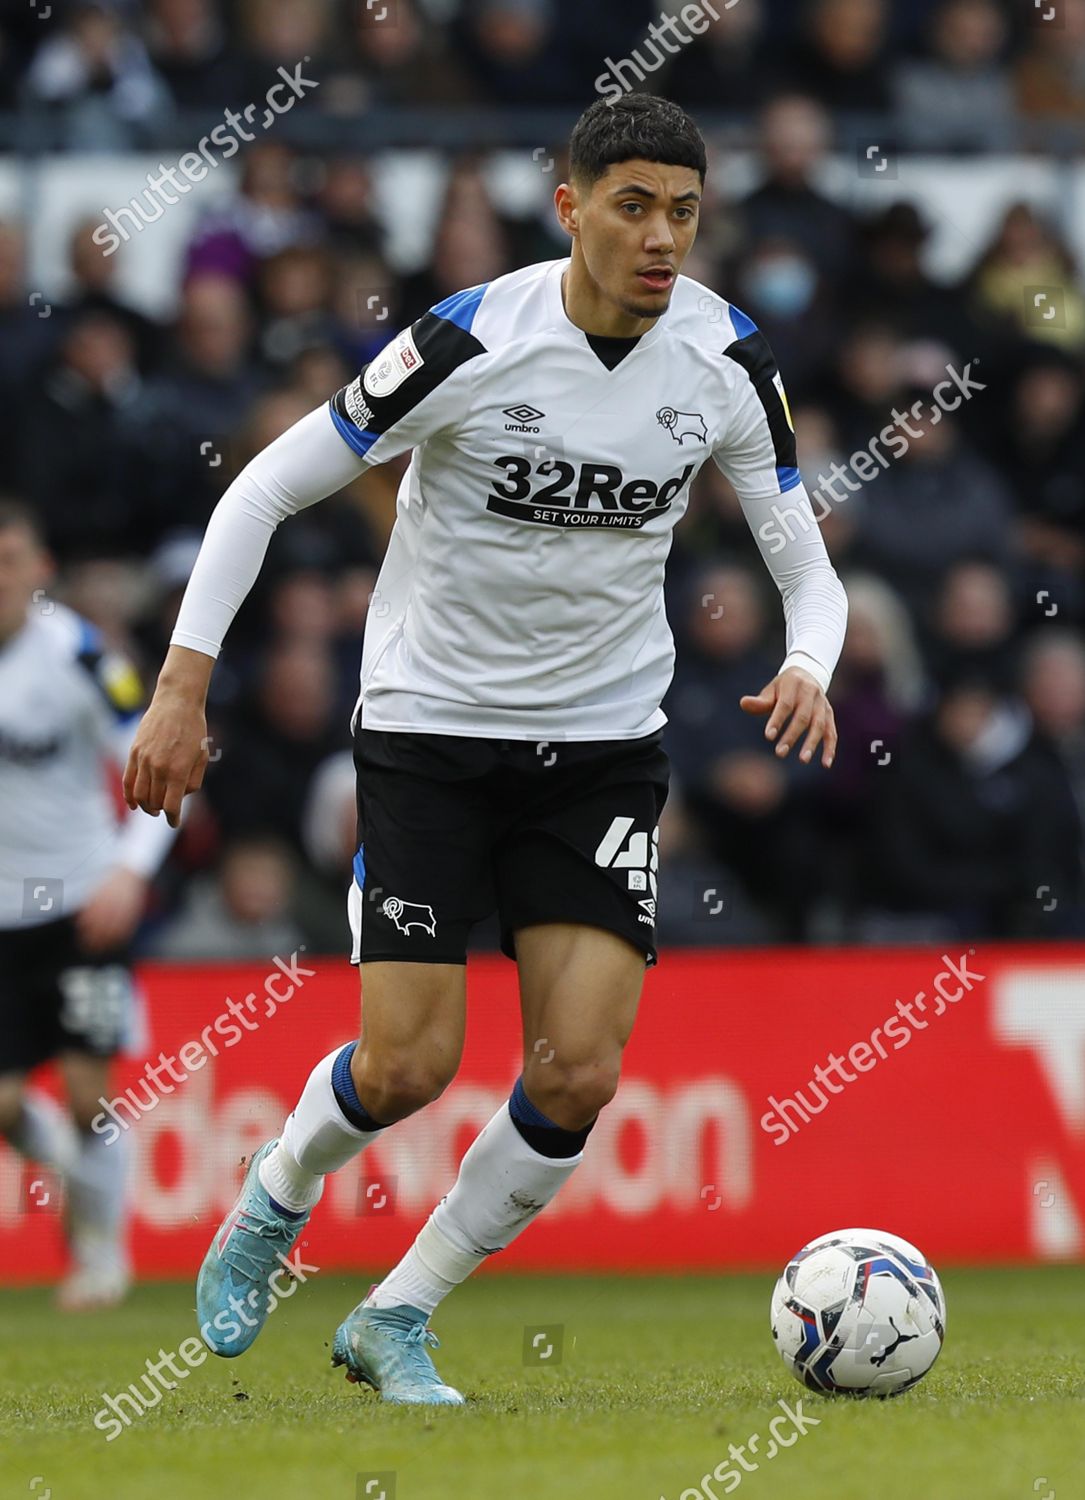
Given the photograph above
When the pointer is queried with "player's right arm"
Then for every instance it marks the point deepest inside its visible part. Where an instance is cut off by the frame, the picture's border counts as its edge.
(415, 388)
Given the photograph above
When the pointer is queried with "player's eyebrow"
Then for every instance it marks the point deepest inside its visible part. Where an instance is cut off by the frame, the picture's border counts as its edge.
(692, 196)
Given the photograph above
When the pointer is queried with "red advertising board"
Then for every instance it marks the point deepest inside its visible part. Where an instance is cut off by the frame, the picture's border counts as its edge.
(957, 1121)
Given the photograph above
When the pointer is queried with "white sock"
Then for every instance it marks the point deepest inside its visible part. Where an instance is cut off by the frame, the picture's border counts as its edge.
(503, 1184)
(45, 1133)
(97, 1191)
(317, 1138)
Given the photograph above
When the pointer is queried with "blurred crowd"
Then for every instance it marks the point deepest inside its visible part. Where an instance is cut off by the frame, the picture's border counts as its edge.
(953, 74)
(955, 806)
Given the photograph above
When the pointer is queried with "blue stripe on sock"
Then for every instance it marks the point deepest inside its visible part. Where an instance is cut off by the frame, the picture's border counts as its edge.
(287, 1213)
(524, 1112)
(346, 1095)
(540, 1133)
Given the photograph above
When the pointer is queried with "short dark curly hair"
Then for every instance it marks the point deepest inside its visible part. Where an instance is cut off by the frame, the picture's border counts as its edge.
(643, 126)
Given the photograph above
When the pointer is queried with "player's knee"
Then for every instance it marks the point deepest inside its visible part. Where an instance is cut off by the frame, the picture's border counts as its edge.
(572, 1093)
(398, 1086)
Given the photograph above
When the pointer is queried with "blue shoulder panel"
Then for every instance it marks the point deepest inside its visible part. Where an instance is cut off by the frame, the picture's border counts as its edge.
(462, 307)
(742, 325)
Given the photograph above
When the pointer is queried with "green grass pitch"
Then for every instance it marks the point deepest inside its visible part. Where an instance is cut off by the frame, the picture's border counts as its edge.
(657, 1376)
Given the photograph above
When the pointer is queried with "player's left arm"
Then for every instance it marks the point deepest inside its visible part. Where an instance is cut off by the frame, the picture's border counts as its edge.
(112, 912)
(757, 454)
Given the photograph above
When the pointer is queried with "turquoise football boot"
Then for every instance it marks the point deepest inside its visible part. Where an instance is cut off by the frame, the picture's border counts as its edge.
(386, 1347)
(233, 1297)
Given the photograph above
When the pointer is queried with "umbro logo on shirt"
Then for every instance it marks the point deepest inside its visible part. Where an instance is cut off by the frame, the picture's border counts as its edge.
(522, 417)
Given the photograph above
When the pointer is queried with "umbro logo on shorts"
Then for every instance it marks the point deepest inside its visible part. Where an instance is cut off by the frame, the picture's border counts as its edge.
(408, 914)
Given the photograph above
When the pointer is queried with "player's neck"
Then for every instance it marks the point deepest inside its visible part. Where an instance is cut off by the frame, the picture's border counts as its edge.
(592, 313)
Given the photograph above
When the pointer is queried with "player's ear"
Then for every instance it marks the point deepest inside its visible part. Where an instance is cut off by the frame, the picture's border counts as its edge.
(567, 208)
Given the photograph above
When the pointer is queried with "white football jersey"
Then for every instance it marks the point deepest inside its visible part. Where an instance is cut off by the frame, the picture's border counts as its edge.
(522, 591)
(67, 708)
(521, 596)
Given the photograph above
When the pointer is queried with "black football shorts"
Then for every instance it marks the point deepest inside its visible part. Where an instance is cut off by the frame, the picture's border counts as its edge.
(452, 828)
(55, 997)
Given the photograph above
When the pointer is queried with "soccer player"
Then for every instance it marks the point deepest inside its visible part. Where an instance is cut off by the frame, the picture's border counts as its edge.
(73, 881)
(508, 729)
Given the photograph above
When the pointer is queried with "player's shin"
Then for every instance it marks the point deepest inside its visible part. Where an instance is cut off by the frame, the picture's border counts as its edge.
(508, 1176)
(328, 1127)
(97, 1186)
(44, 1132)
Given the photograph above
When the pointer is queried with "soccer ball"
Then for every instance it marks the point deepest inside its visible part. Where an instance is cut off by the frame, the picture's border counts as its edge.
(858, 1313)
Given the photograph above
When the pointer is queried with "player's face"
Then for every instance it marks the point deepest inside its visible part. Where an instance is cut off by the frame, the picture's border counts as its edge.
(636, 227)
(23, 569)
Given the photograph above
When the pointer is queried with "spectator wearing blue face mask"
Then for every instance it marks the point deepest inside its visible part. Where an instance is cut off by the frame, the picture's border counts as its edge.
(780, 287)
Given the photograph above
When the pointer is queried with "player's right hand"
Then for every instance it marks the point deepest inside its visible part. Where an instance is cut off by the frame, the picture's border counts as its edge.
(168, 757)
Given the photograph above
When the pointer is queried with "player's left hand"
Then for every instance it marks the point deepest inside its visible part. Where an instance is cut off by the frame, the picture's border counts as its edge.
(794, 703)
(111, 915)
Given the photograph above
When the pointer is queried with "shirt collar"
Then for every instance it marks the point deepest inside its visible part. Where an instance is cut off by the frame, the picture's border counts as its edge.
(566, 326)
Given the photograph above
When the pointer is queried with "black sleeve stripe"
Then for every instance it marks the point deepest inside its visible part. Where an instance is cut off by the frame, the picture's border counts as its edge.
(756, 358)
(444, 347)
